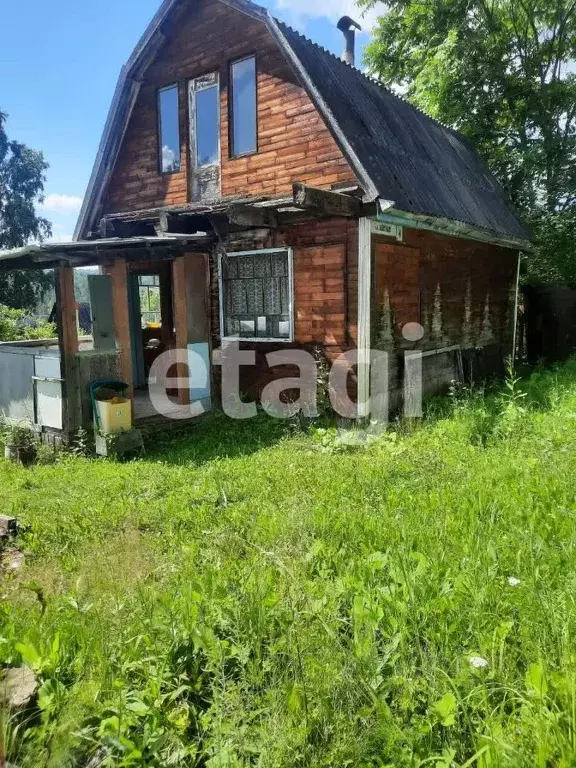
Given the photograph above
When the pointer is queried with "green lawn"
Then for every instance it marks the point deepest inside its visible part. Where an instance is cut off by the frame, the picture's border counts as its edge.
(244, 596)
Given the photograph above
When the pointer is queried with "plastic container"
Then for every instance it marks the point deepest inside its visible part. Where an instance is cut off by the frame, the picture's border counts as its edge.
(114, 415)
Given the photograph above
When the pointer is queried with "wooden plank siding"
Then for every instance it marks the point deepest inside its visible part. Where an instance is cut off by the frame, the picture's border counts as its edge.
(294, 143)
(325, 274)
(461, 291)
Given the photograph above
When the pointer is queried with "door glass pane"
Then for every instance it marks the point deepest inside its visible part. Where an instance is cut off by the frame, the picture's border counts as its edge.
(244, 128)
(169, 130)
(207, 126)
(149, 288)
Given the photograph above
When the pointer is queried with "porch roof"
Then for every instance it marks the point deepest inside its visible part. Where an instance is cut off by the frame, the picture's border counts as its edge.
(86, 253)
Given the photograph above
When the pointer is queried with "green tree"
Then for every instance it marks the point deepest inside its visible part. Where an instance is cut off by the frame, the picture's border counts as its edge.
(503, 73)
(21, 186)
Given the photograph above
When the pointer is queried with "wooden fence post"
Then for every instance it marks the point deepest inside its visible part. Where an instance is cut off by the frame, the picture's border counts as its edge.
(68, 345)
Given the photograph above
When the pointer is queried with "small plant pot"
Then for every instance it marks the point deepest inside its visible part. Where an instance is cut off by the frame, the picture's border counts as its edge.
(25, 455)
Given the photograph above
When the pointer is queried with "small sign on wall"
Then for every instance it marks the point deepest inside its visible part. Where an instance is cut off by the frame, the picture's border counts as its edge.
(388, 230)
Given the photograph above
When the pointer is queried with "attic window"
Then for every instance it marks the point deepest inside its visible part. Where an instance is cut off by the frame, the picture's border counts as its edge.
(243, 119)
(205, 114)
(169, 129)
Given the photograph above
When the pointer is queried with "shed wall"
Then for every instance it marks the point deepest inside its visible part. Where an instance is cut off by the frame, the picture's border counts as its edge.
(460, 291)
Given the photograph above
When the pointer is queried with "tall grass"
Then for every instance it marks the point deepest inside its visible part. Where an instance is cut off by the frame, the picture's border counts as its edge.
(245, 596)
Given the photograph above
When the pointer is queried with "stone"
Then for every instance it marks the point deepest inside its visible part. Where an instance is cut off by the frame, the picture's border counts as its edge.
(123, 442)
(18, 686)
(98, 758)
(8, 526)
(11, 560)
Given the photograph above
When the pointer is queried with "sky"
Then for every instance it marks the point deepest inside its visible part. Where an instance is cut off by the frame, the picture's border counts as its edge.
(57, 87)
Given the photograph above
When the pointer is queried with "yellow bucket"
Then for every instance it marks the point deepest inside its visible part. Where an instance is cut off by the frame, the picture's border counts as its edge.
(114, 415)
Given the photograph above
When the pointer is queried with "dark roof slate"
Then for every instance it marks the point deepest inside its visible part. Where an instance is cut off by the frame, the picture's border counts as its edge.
(423, 166)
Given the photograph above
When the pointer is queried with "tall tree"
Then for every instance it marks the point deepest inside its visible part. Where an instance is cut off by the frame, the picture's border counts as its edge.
(503, 72)
(21, 186)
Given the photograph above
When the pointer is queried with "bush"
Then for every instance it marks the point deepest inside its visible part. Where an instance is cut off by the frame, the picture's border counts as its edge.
(19, 325)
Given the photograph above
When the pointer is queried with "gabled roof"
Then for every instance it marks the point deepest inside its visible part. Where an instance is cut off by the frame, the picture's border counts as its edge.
(397, 152)
(411, 159)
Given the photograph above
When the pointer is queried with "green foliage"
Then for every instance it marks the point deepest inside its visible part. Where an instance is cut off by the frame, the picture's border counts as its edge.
(18, 325)
(240, 598)
(499, 72)
(17, 434)
(21, 186)
(555, 240)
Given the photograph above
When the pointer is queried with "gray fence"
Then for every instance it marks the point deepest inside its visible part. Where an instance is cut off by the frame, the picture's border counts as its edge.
(30, 383)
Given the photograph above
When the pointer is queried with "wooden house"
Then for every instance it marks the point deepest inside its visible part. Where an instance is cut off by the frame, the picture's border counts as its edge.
(272, 193)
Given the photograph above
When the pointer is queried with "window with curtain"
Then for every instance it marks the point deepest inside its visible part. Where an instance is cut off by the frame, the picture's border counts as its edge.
(244, 128)
(169, 129)
(256, 295)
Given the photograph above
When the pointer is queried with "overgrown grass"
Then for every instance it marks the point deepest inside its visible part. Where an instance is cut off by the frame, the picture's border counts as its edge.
(246, 596)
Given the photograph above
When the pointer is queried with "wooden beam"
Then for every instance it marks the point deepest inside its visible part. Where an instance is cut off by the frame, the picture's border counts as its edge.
(244, 215)
(180, 300)
(325, 202)
(191, 297)
(66, 309)
(118, 271)
(68, 346)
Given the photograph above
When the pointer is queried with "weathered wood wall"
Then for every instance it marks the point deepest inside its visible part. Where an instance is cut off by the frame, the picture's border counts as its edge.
(325, 293)
(293, 141)
(461, 292)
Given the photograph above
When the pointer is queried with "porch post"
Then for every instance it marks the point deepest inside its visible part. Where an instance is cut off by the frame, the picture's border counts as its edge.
(180, 299)
(364, 314)
(119, 274)
(68, 346)
(190, 274)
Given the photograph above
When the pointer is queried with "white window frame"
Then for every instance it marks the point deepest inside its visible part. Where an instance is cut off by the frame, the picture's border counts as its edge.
(257, 252)
(204, 83)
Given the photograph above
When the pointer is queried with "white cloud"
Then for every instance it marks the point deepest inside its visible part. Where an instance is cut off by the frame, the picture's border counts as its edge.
(62, 204)
(298, 11)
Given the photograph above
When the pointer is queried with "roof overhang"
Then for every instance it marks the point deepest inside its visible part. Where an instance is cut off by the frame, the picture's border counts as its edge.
(85, 253)
(391, 215)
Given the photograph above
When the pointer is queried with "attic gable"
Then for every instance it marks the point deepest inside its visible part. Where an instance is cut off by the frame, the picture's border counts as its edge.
(294, 143)
(366, 133)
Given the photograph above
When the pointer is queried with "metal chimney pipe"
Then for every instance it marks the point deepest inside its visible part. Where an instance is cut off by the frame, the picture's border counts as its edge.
(348, 27)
